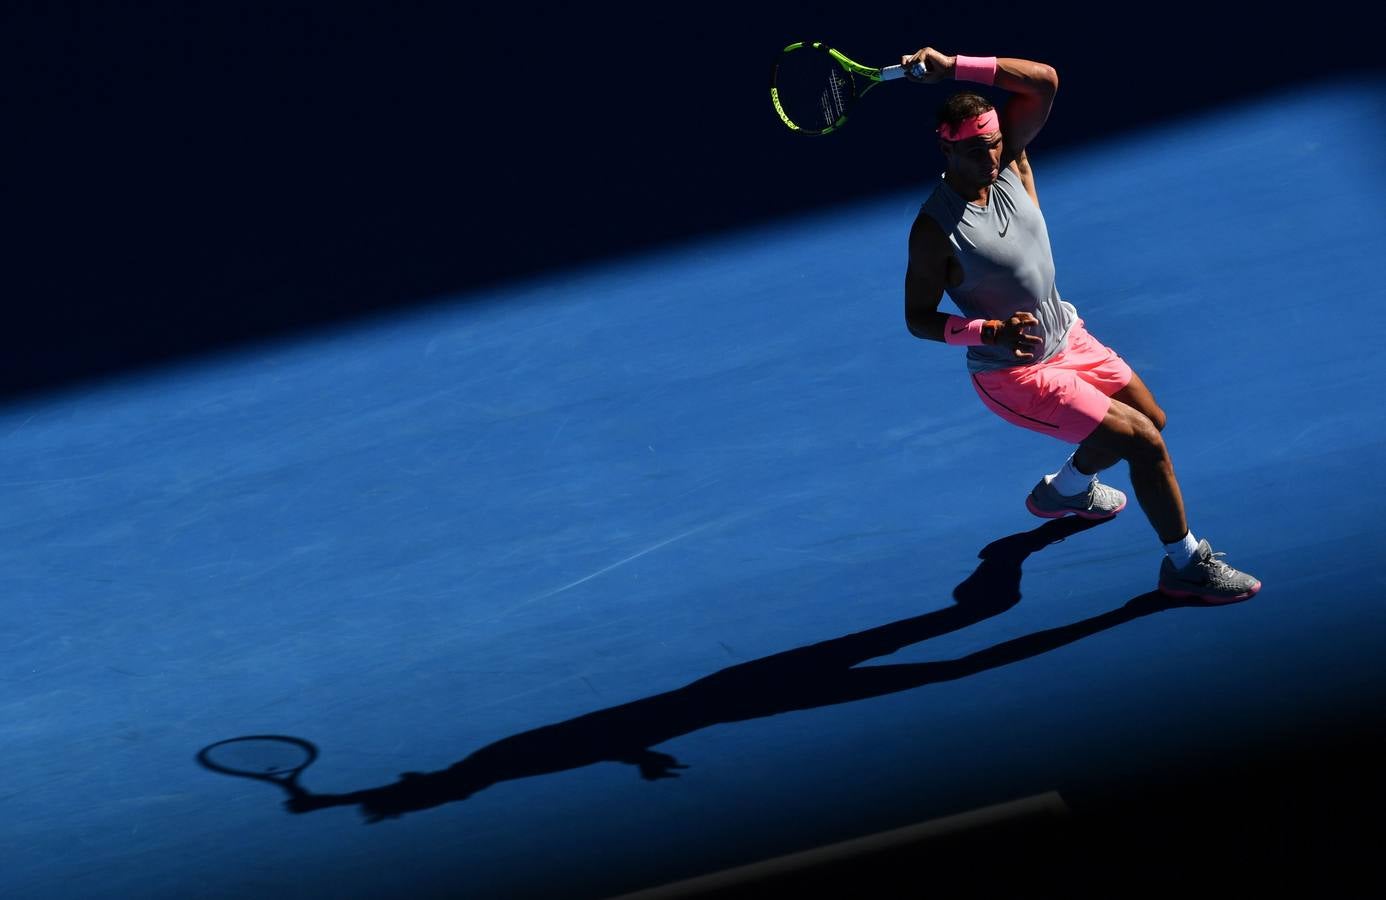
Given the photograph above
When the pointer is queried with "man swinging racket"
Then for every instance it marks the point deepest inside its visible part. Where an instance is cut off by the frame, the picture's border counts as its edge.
(980, 237)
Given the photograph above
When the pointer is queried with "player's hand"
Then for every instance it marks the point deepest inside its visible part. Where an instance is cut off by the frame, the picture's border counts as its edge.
(304, 803)
(1012, 334)
(937, 66)
(654, 765)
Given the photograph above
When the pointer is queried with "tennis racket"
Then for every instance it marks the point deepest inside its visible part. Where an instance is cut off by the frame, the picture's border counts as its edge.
(814, 86)
(265, 757)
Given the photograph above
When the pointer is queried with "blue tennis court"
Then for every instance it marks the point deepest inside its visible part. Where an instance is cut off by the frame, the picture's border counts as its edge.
(642, 575)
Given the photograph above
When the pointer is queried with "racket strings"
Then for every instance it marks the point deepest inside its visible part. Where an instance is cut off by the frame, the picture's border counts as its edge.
(835, 99)
(812, 89)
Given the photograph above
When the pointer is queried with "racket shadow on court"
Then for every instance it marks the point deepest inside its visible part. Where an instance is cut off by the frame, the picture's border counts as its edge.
(816, 675)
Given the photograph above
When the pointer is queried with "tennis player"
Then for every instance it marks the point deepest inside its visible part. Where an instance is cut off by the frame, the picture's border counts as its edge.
(980, 237)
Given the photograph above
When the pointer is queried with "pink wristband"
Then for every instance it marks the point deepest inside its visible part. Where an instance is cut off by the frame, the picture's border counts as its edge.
(963, 332)
(981, 69)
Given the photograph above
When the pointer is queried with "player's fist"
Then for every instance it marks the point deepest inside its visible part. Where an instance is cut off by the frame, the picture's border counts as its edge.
(1012, 334)
(937, 66)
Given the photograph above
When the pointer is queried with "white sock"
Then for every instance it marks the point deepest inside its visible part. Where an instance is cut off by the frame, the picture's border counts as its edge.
(1180, 552)
(1068, 481)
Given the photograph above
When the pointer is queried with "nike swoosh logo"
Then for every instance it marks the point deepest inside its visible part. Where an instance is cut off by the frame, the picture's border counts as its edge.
(960, 330)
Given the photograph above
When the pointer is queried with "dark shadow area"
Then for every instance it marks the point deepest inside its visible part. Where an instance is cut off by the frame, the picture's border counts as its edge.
(1294, 816)
(1299, 812)
(1298, 820)
(185, 177)
(806, 678)
(817, 675)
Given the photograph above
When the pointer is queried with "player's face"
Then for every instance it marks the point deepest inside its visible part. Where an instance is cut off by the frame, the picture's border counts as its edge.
(977, 159)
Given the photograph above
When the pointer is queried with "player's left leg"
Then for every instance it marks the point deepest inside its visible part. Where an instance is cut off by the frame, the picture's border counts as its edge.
(1095, 376)
(1090, 460)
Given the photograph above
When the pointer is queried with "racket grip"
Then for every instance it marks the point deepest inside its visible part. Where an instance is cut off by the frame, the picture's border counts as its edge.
(890, 73)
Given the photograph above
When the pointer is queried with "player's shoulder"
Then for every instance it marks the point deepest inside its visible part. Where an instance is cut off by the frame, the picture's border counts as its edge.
(1018, 181)
(927, 236)
(1010, 175)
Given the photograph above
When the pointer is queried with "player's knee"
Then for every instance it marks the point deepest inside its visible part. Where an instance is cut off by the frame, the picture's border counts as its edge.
(1157, 418)
(1146, 444)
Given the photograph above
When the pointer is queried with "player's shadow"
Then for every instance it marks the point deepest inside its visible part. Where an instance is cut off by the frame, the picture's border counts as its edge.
(817, 675)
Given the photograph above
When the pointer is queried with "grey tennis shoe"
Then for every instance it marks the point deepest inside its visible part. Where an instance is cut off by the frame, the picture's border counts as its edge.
(1206, 578)
(1099, 501)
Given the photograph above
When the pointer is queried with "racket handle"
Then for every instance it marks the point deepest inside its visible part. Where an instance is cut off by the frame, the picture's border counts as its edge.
(890, 73)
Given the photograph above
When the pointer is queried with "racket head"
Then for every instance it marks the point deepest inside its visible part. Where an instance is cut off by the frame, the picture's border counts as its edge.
(275, 758)
(812, 88)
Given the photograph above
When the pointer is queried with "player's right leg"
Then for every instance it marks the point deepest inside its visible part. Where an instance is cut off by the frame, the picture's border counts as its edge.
(1128, 434)
(1190, 569)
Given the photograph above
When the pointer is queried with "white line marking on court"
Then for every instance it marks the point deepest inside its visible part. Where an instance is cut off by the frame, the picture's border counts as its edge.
(20, 427)
(632, 558)
(51, 481)
(616, 565)
(554, 439)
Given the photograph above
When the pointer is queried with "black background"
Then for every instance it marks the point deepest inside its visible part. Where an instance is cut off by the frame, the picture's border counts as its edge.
(186, 176)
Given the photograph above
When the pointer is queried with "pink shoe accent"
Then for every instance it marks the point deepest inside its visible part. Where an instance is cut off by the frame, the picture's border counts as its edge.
(1194, 595)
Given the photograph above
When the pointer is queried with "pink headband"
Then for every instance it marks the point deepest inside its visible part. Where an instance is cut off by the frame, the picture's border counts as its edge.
(969, 128)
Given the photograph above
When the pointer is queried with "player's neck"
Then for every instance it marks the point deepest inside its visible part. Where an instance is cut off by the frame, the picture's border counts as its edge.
(978, 193)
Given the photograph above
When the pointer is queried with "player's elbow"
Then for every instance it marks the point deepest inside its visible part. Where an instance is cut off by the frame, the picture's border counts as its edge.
(1048, 78)
(919, 329)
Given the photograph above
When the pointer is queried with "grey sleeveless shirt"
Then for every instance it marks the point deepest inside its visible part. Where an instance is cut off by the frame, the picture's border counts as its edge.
(1007, 264)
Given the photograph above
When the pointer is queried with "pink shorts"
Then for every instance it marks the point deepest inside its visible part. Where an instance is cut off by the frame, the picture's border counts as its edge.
(1066, 397)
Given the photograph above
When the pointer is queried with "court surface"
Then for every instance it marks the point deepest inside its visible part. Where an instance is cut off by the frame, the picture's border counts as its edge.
(709, 513)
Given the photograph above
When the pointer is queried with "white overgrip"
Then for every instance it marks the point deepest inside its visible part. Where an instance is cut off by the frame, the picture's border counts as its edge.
(890, 73)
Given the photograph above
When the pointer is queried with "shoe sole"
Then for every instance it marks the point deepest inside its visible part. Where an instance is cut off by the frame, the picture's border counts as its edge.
(1059, 514)
(1208, 598)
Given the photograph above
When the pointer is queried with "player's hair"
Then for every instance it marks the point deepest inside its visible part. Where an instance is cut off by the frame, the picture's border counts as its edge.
(962, 105)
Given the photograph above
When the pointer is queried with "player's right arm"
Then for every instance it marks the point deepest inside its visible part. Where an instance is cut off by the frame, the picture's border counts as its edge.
(1021, 167)
(1031, 85)
(931, 262)
(932, 270)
